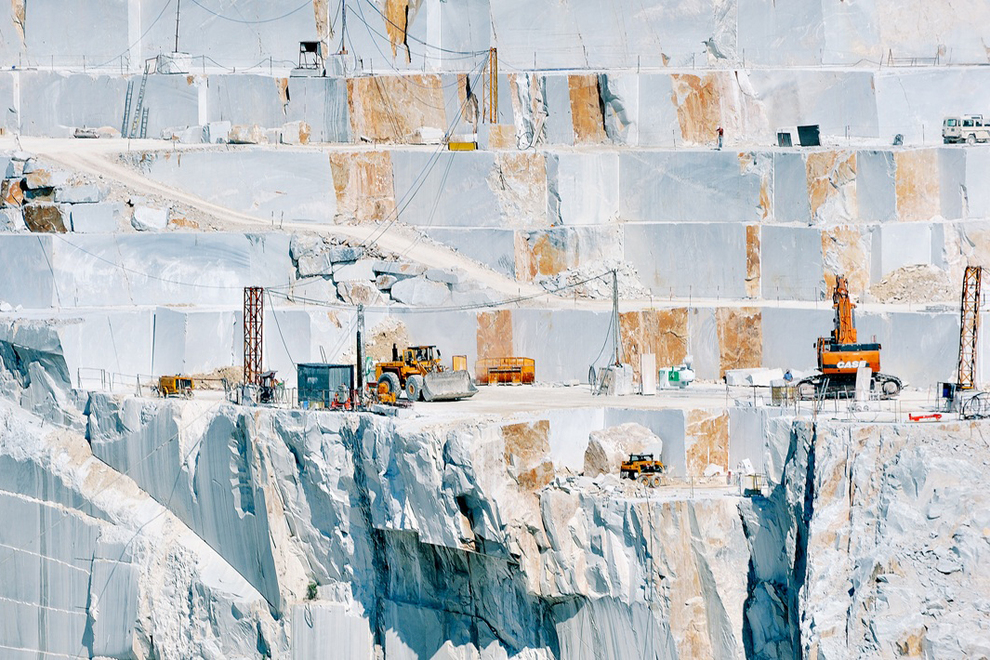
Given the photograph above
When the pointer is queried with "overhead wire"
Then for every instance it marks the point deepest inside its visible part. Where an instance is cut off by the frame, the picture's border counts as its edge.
(308, 3)
(420, 180)
(155, 277)
(372, 31)
(437, 309)
(138, 40)
(278, 326)
(433, 211)
(405, 31)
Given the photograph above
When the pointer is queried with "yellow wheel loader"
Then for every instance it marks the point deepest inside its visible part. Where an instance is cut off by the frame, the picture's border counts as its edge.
(644, 469)
(421, 374)
(175, 386)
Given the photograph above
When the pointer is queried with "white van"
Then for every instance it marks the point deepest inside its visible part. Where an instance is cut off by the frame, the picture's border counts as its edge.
(968, 128)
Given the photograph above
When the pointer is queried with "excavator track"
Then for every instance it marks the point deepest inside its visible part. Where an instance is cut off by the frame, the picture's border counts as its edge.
(821, 386)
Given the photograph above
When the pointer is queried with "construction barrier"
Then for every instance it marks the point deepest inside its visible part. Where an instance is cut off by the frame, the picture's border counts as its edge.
(515, 370)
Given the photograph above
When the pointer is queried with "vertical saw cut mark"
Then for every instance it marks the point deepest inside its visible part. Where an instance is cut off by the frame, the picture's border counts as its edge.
(587, 109)
(698, 101)
(740, 338)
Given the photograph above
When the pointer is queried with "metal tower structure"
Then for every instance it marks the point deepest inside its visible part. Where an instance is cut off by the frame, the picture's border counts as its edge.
(254, 315)
(969, 327)
(489, 89)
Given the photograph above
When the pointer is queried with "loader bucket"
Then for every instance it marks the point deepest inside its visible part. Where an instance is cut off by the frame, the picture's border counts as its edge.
(448, 385)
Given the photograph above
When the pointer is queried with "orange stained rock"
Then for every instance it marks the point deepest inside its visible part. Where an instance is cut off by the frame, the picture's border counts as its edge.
(501, 136)
(527, 453)
(827, 172)
(183, 222)
(495, 334)
(698, 103)
(395, 108)
(18, 12)
(740, 338)
(362, 181)
(706, 440)
(917, 186)
(586, 110)
(321, 10)
(12, 192)
(396, 24)
(663, 332)
(753, 261)
(765, 204)
(846, 250)
(44, 218)
(540, 253)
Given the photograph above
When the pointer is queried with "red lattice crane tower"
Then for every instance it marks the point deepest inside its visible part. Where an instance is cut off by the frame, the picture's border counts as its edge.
(254, 314)
(969, 327)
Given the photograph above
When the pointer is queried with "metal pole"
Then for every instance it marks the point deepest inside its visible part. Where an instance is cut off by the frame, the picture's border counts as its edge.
(343, 28)
(177, 5)
(360, 351)
(615, 315)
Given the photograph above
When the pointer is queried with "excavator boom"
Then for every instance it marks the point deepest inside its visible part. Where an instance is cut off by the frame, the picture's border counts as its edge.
(845, 326)
(840, 356)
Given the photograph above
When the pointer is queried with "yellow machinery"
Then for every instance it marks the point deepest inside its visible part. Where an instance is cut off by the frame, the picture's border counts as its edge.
(515, 370)
(840, 356)
(175, 386)
(643, 468)
(421, 374)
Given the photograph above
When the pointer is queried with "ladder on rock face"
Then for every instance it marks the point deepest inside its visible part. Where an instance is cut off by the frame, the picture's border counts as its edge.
(144, 124)
(127, 108)
(139, 115)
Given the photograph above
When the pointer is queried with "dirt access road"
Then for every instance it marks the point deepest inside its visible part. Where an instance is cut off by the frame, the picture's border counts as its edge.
(99, 157)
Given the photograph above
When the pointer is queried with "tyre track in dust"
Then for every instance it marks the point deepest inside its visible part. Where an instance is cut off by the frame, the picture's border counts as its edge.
(398, 239)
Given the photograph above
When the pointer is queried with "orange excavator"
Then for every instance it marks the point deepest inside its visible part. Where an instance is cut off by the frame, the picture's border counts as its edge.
(840, 356)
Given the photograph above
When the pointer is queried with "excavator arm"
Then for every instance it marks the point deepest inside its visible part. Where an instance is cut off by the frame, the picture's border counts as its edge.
(845, 327)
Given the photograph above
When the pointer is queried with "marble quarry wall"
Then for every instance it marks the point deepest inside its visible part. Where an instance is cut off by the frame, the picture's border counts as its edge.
(603, 107)
(692, 223)
(175, 529)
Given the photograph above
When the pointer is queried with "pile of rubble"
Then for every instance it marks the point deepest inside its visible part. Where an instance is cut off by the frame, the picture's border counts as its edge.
(223, 132)
(922, 283)
(582, 281)
(359, 277)
(37, 197)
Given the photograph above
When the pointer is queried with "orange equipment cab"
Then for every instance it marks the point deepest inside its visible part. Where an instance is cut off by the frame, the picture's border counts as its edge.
(840, 356)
